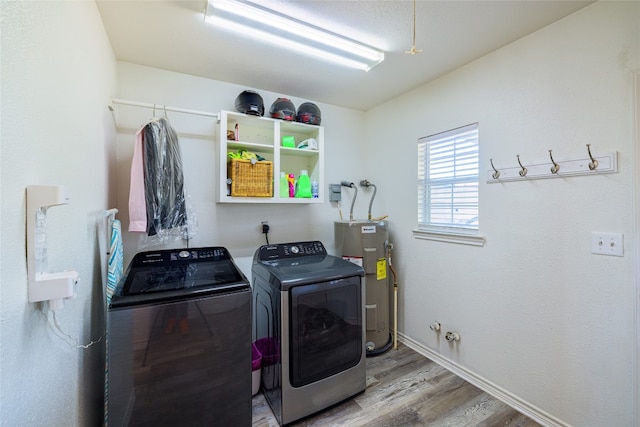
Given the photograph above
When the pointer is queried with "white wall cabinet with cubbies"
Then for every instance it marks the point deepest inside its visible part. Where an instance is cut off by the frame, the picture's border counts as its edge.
(264, 136)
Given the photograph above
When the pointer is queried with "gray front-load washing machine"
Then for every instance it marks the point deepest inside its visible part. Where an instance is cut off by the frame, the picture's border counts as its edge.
(179, 341)
(309, 314)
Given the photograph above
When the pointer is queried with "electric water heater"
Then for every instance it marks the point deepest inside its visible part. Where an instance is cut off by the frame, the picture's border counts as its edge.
(365, 243)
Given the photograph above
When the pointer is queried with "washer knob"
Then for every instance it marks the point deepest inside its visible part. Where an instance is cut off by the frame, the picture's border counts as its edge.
(184, 254)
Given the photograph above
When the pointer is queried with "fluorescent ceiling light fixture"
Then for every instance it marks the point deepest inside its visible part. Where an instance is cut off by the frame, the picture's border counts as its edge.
(253, 20)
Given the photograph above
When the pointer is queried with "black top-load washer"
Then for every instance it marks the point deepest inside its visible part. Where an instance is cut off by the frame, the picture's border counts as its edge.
(179, 341)
(309, 313)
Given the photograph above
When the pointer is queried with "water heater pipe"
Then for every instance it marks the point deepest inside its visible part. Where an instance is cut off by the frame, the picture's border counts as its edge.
(367, 183)
(351, 185)
(395, 297)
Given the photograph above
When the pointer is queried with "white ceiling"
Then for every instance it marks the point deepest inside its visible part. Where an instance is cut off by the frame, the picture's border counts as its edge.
(172, 35)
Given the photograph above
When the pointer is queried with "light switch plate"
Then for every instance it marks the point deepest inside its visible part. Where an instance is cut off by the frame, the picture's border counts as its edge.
(607, 244)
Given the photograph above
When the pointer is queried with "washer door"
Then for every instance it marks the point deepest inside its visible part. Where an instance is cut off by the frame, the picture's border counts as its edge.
(326, 329)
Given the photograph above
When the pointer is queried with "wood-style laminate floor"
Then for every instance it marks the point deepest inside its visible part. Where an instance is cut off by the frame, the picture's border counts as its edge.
(406, 389)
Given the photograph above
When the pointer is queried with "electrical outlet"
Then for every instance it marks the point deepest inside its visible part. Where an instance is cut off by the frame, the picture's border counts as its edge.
(607, 244)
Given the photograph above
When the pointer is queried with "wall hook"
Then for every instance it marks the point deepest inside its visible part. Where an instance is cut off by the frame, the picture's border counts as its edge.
(165, 112)
(523, 170)
(496, 172)
(594, 163)
(556, 167)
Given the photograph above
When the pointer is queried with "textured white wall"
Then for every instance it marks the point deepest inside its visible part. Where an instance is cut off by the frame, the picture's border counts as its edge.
(540, 316)
(235, 226)
(58, 72)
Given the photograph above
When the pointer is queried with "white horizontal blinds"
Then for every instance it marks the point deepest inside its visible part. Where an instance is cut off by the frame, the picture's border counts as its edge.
(448, 179)
(423, 205)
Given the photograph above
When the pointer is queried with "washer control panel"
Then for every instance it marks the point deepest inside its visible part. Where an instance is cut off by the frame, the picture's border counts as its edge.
(290, 250)
(203, 254)
(169, 256)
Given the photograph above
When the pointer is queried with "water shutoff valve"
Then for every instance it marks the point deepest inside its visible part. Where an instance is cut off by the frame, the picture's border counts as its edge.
(452, 336)
(435, 326)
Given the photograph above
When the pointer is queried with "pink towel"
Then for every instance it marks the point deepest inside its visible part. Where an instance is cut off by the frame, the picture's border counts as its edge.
(137, 203)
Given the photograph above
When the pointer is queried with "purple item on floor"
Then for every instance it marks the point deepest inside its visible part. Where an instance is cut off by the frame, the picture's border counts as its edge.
(269, 349)
(256, 358)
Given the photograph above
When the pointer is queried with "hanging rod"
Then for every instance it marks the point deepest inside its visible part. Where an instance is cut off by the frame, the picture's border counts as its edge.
(161, 107)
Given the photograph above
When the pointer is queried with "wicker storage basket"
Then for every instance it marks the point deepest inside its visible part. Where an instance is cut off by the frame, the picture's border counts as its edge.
(250, 180)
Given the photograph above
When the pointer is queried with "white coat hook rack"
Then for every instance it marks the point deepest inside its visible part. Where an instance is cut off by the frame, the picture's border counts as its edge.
(577, 166)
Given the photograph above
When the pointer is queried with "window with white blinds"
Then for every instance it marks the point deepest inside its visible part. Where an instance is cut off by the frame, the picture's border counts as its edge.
(448, 180)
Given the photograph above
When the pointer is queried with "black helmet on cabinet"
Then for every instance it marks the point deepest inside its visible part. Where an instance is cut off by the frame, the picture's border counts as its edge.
(250, 102)
(309, 112)
(283, 108)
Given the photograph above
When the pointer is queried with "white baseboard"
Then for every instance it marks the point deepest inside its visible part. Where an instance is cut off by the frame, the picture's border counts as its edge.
(499, 393)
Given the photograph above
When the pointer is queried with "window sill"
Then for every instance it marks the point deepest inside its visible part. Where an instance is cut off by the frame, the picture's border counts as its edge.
(472, 239)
